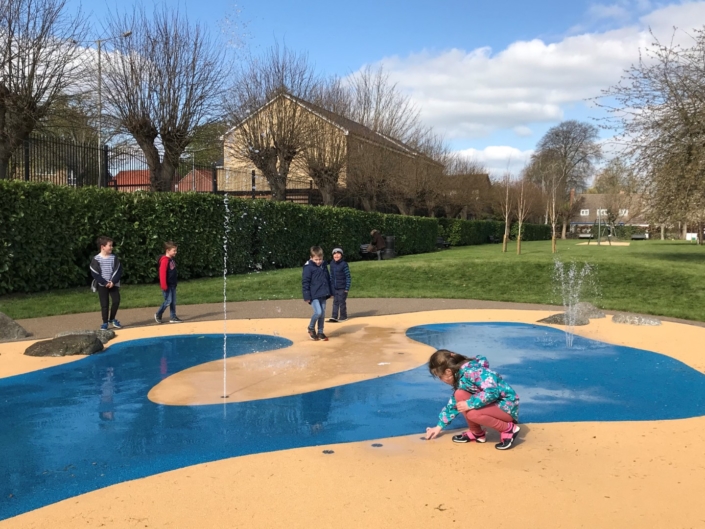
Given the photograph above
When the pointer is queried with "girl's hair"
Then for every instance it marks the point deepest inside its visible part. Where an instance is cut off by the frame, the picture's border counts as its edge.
(444, 359)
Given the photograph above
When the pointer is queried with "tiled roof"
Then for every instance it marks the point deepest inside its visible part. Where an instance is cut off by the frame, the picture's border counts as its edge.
(352, 127)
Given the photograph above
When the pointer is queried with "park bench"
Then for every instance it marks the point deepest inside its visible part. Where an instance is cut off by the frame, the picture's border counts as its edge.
(492, 239)
(442, 243)
(585, 236)
(365, 253)
(639, 236)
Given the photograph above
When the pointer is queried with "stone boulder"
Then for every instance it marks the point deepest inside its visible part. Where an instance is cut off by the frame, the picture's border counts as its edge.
(103, 335)
(10, 330)
(634, 319)
(560, 319)
(588, 310)
(79, 344)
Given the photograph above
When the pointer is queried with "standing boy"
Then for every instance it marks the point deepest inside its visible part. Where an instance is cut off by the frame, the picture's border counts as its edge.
(168, 280)
(106, 272)
(340, 281)
(315, 282)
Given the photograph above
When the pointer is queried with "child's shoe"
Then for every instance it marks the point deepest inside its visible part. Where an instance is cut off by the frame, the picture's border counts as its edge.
(508, 437)
(312, 335)
(341, 319)
(157, 318)
(322, 337)
(116, 324)
(468, 437)
(332, 320)
(104, 327)
(176, 319)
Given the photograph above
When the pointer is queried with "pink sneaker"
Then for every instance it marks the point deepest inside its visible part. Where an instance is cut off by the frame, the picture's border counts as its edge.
(508, 437)
(468, 437)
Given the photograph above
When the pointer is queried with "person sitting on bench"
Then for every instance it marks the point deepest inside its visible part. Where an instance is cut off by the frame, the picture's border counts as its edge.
(377, 245)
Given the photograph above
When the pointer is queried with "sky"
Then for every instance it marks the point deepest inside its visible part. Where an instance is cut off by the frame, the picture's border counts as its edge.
(492, 77)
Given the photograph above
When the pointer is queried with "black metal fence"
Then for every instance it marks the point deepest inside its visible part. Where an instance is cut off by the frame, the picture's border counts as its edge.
(124, 168)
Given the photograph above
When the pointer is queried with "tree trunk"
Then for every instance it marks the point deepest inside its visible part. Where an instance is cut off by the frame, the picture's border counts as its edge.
(685, 230)
(328, 193)
(4, 168)
(700, 233)
(564, 229)
(519, 244)
(663, 232)
(464, 213)
(367, 204)
(504, 243)
(278, 186)
(553, 243)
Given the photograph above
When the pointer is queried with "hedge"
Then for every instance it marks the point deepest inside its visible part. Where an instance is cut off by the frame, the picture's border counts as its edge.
(47, 233)
(467, 232)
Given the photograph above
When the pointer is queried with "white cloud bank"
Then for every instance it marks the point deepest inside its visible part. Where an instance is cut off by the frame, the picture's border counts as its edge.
(471, 94)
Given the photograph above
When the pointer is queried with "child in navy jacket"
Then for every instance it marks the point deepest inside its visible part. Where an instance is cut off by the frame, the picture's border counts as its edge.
(340, 282)
(315, 283)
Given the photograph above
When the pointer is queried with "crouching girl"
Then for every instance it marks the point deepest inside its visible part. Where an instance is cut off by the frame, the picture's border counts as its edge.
(480, 394)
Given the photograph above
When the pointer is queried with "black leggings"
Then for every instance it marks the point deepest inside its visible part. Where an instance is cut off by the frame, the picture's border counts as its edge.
(114, 294)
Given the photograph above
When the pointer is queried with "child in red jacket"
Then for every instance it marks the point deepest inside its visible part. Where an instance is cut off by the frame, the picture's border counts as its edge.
(168, 280)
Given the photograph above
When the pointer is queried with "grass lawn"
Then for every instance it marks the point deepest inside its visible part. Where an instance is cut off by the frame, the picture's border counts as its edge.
(652, 277)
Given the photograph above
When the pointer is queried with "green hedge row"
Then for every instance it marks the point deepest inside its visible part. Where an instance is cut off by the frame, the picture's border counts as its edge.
(48, 232)
(467, 232)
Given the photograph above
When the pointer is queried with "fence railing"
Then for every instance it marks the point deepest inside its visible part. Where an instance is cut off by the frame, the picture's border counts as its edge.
(124, 168)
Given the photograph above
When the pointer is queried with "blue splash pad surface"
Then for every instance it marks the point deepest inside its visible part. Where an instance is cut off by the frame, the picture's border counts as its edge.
(82, 426)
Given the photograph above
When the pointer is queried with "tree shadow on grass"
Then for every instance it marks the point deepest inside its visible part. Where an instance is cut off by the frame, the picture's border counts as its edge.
(677, 257)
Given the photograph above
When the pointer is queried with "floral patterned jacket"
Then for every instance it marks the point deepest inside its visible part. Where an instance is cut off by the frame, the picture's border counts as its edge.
(485, 386)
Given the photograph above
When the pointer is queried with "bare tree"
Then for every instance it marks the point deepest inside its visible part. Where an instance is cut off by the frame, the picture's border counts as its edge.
(162, 84)
(378, 104)
(465, 188)
(38, 63)
(270, 127)
(504, 197)
(565, 158)
(658, 110)
(528, 199)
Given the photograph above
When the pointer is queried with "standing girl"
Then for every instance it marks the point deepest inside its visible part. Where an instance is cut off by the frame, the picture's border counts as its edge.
(480, 394)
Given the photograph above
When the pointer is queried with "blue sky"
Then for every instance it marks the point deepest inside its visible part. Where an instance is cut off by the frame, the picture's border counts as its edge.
(491, 76)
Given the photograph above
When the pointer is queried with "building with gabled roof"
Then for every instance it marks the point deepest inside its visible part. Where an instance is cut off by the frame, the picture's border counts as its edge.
(359, 145)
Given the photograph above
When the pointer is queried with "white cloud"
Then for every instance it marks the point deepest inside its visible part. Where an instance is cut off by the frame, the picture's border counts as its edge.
(499, 159)
(471, 94)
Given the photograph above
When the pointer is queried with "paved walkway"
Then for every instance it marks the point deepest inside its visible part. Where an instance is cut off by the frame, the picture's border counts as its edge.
(49, 326)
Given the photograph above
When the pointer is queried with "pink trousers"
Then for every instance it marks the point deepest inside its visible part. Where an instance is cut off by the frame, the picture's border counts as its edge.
(490, 416)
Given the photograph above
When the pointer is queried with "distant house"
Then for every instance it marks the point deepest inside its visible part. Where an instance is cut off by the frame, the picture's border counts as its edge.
(359, 151)
(196, 180)
(131, 180)
(610, 209)
(466, 195)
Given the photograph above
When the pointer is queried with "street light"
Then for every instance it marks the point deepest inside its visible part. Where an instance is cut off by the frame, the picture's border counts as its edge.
(99, 42)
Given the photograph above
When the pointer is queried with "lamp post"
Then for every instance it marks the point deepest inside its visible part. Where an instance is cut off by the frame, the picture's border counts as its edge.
(99, 42)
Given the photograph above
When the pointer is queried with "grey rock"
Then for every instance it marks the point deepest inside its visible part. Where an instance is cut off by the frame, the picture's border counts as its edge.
(80, 344)
(560, 319)
(634, 319)
(588, 310)
(10, 330)
(103, 336)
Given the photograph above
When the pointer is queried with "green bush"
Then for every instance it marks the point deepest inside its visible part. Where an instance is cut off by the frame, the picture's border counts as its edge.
(48, 232)
(531, 232)
(468, 232)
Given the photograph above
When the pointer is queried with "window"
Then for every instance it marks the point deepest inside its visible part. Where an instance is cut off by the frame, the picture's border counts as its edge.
(584, 212)
(601, 212)
(623, 212)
